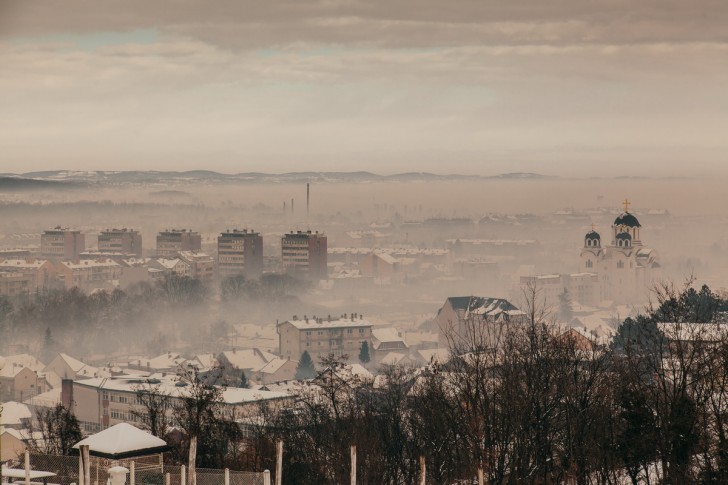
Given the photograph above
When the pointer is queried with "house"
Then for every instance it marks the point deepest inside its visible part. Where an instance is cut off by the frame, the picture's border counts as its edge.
(16, 415)
(458, 314)
(247, 360)
(386, 340)
(18, 382)
(276, 370)
(380, 265)
(66, 367)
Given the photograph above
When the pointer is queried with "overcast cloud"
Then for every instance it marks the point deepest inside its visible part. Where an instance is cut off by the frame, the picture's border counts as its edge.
(564, 87)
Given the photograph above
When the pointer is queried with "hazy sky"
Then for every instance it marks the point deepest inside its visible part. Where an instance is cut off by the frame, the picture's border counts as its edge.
(559, 87)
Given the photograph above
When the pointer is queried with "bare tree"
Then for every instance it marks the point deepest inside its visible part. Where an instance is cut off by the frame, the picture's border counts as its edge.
(154, 407)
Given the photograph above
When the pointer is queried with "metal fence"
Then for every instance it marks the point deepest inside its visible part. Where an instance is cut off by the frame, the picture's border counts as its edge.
(147, 471)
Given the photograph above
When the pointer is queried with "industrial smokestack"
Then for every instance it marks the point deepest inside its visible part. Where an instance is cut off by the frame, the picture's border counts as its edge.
(308, 198)
(292, 206)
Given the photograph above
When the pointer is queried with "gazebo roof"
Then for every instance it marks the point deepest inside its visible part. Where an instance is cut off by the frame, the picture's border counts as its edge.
(123, 441)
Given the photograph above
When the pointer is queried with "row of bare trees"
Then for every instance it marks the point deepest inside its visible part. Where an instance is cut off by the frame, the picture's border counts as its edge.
(523, 401)
(519, 401)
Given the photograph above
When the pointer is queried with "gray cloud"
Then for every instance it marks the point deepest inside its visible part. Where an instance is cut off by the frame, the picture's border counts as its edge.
(581, 86)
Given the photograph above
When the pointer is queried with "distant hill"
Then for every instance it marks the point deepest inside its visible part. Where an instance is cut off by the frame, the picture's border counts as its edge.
(14, 183)
(137, 177)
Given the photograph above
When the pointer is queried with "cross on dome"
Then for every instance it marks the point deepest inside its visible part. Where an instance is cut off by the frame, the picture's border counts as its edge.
(626, 204)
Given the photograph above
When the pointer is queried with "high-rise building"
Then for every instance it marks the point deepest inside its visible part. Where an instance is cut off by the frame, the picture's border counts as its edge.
(239, 252)
(172, 241)
(124, 241)
(305, 254)
(62, 244)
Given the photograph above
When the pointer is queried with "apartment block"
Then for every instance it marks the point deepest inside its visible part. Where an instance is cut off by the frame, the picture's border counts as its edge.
(322, 337)
(304, 253)
(62, 244)
(124, 241)
(172, 241)
(239, 252)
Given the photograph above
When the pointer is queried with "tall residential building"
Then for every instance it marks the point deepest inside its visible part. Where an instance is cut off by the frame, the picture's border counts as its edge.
(125, 241)
(305, 254)
(172, 241)
(239, 252)
(62, 244)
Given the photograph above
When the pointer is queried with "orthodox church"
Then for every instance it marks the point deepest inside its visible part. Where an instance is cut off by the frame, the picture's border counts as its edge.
(626, 269)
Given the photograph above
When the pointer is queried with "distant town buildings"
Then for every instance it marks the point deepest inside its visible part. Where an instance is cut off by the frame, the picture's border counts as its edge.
(324, 336)
(239, 252)
(125, 241)
(304, 253)
(172, 241)
(62, 244)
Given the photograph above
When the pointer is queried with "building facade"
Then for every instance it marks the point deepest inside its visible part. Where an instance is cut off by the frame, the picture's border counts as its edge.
(322, 337)
(172, 241)
(304, 253)
(89, 274)
(202, 265)
(125, 241)
(239, 252)
(62, 244)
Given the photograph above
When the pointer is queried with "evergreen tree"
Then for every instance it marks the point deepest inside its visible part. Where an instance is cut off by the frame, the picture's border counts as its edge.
(565, 311)
(305, 369)
(243, 380)
(364, 353)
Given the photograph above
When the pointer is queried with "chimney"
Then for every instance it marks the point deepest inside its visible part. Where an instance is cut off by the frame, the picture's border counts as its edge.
(67, 393)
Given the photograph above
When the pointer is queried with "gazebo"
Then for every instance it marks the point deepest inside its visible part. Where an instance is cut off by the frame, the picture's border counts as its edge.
(128, 446)
(123, 441)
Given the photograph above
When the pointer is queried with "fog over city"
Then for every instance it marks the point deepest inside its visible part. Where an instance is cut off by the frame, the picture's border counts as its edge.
(364, 242)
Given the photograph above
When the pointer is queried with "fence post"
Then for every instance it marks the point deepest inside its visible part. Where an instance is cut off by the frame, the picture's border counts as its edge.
(167, 479)
(227, 476)
(266, 477)
(182, 475)
(423, 470)
(86, 461)
(132, 474)
(353, 464)
(27, 467)
(480, 475)
(279, 462)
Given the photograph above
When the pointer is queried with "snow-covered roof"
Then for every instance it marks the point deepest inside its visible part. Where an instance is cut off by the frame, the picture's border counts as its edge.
(169, 263)
(387, 258)
(75, 364)
(238, 395)
(25, 360)
(313, 324)
(248, 358)
(394, 358)
(14, 413)
(272, 367)
(90, 263)
(122, 441)
(22, 263)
